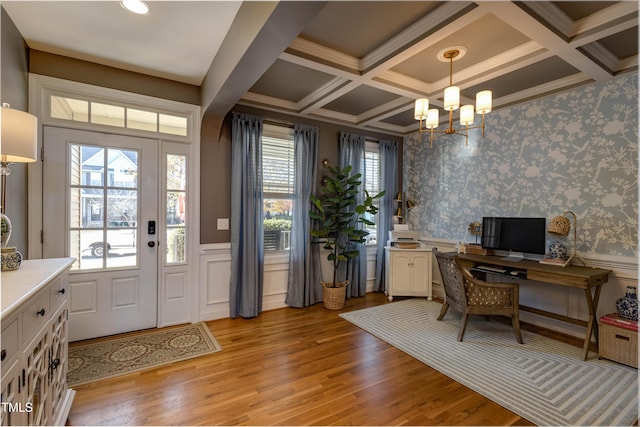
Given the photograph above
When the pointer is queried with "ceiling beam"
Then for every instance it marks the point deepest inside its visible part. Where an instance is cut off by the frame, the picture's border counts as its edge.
(537, 31)
(260, 32)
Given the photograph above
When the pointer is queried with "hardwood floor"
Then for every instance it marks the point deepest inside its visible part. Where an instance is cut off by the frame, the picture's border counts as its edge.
(290, 367)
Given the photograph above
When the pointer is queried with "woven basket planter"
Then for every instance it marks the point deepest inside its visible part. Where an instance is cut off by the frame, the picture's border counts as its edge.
(333, 298)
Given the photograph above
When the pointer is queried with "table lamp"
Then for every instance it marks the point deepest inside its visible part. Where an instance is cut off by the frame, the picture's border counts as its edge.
(561, 225)
(18, 144)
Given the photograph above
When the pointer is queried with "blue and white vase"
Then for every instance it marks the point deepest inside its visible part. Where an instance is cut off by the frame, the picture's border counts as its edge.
(558, 250)
(10, 258)
(5, 230)
(627, 306)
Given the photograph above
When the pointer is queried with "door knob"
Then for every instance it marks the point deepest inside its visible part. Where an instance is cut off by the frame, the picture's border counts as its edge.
(151, 243)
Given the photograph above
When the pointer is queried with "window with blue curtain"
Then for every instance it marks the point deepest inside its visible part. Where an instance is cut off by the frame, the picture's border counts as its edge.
(278, 181)
(371, 181)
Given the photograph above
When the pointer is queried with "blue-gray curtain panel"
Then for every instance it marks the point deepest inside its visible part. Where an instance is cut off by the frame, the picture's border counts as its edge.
(351, 152)
(247, 238)
(303, 288)
(384, 220)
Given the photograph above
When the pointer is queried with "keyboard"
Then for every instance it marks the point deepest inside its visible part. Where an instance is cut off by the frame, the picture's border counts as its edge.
(491, 269)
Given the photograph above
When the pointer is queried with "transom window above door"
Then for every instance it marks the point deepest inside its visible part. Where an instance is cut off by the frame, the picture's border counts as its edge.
(120, 116)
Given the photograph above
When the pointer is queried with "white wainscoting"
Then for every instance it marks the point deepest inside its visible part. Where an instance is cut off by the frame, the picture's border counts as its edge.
(215, 275)
(561, 299)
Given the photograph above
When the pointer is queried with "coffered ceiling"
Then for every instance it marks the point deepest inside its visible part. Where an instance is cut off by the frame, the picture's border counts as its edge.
(364, 63)
(360, 63)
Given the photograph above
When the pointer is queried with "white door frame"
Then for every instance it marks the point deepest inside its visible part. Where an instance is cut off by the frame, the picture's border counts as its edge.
(41, 88)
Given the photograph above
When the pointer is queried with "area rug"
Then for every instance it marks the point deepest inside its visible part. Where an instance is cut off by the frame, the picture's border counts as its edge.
(543, 380)
(148, 349)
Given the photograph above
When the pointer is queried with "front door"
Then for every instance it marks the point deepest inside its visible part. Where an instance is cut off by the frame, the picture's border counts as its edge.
(100, 198)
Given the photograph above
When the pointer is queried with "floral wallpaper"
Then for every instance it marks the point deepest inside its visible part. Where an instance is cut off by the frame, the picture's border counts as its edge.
(573, 151)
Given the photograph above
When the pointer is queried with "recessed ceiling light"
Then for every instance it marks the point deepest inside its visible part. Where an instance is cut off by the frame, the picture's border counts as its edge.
(136, 6)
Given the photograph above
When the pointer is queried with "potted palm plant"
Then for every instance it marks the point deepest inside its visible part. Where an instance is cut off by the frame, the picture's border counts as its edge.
(341, 225)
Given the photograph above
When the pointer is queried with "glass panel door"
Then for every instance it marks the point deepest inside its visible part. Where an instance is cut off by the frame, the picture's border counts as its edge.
(100, 198)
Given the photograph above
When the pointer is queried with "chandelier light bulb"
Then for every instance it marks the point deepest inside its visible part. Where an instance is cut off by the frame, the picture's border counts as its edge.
(466, 115)
(433, 118)
(451, 98)
(421, 108)
(483, 102)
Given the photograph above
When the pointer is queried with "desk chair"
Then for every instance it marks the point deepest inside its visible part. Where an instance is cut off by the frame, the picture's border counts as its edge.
(468, 295)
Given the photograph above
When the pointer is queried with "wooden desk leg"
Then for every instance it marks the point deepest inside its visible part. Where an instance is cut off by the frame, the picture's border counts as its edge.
(592, 303)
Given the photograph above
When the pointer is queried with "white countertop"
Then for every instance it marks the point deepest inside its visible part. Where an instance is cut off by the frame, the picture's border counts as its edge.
(19, 285)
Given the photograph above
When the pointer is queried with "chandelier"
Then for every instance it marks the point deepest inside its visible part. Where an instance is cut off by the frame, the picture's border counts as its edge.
(430, 118)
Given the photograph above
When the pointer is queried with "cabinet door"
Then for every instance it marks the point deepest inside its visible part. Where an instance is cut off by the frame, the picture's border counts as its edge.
(58, 358)
(401, 272)
(36, 379)
(13, 407)
(420, 270)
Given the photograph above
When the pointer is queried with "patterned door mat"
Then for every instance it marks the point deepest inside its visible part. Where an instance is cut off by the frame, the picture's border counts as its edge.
(123, 355)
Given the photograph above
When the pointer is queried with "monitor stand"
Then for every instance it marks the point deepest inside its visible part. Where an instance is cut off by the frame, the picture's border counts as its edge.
(514, 256)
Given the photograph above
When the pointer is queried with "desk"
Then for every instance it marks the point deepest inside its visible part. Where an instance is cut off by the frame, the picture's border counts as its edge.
(574, 276)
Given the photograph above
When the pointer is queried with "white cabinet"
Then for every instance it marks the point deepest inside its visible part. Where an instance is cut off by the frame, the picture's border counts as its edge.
(409, 272)
(34, 355)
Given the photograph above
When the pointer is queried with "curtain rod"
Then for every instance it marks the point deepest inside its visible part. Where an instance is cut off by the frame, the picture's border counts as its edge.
(275, 122)
(278, 123)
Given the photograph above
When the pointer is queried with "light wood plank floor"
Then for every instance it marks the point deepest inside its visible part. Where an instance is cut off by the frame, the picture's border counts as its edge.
(290, 367)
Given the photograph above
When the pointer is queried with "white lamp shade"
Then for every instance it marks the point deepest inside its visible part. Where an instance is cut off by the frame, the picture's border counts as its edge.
(19, 141)
(421, 107)
(466, 115)
(483, 102)
(452, 98)
(433, 119)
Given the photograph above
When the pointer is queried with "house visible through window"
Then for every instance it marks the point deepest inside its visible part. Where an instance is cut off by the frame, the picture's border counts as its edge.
(278, 172)
(371, 182)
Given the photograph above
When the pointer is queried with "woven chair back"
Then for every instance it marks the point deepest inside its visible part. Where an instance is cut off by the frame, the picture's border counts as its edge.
(480, 295)
(452, 280)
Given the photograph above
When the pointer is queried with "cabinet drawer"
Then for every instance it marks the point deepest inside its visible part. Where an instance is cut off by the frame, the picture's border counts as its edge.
(10, 342)
(35, 315)
(59, 292)
(618, 344)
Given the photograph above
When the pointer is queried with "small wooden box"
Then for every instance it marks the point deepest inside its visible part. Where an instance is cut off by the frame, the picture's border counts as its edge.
(471, 248)
(618, 344)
